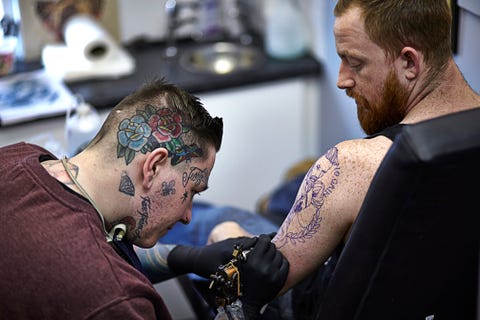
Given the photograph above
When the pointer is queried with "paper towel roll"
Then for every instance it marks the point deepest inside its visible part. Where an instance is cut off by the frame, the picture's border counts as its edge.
(89, 52)
(85, 37)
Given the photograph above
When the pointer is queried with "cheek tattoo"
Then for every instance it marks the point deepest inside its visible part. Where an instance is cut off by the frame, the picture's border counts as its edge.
(184, 196)
(126, 185)
(168, 188)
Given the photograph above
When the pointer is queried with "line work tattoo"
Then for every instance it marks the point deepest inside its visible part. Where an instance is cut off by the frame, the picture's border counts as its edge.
(126, 185)
(168, 188)
(58, 172)
(196, 175)
(184, 196)
(318, 184)
(144, 213)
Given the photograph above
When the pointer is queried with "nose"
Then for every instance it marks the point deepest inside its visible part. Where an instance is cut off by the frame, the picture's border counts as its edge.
(345, 80)
(188, 216)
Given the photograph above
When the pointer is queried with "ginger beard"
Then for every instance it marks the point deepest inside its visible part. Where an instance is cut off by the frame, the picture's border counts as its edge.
(390, 110)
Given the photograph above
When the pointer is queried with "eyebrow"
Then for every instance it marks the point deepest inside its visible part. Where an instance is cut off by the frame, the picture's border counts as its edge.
(349, 53)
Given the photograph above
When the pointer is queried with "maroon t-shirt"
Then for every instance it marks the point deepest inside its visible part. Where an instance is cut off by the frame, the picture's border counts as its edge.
(56, 263)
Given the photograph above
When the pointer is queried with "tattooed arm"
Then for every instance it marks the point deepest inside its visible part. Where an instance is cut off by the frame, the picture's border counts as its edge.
(154, 262)
(327, 203)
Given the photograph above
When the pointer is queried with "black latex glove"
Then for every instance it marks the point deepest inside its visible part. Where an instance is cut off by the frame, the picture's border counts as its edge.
(263, 275)
(205, 261)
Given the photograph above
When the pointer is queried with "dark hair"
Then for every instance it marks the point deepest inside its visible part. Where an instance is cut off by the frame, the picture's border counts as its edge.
(393, 24)
(167, 116)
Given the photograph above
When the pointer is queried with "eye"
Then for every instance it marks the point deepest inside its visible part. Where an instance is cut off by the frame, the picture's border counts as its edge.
(354, 64)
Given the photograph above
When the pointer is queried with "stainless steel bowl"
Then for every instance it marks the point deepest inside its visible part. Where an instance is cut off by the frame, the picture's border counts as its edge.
(221, 58)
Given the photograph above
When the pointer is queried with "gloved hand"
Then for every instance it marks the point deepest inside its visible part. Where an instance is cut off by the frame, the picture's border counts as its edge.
(263, 275)
(205, 261)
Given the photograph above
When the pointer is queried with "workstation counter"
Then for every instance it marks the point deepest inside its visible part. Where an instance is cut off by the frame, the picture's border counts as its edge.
(151, 63)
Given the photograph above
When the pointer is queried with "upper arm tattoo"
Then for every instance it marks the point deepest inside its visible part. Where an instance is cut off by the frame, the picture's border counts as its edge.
(155, 128)
(319, 182)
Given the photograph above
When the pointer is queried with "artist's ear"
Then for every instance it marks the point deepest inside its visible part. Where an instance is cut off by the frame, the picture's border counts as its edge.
(409, 63)
(152, 164)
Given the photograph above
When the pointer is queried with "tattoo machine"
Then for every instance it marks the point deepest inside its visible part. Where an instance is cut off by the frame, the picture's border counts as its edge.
(226, 281)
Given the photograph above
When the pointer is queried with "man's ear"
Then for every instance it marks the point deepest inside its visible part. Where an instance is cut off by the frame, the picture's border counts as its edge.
(410, 63)
(153, 161)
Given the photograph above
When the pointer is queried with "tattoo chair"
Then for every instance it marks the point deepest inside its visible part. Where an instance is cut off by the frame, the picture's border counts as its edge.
(413, 252)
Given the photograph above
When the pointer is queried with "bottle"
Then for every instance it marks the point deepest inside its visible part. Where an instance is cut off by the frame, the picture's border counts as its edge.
(286, 33)
(210, 19)
(82, 124)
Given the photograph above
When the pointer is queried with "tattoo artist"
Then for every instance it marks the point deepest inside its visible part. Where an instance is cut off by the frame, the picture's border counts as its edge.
(69, 225)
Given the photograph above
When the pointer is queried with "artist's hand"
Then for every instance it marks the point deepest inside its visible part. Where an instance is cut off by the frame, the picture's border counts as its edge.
(263, 275)
(205, 261)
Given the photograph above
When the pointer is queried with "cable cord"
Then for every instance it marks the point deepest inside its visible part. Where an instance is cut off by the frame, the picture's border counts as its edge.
(109, 235)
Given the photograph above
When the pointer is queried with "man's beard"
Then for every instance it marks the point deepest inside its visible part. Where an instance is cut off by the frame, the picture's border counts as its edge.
(388, 112)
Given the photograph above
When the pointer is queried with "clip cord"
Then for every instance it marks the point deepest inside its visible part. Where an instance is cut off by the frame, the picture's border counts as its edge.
(109, 236)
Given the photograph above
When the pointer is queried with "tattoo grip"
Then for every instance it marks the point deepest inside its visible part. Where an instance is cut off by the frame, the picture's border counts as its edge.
(263, 275)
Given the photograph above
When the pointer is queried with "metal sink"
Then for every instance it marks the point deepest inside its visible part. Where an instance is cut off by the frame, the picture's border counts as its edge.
(221, 58)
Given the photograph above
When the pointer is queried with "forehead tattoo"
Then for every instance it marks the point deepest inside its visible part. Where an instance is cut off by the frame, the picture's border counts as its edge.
(153, 128)
(196, 175)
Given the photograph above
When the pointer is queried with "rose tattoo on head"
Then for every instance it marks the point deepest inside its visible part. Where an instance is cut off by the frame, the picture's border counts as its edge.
(155, 128)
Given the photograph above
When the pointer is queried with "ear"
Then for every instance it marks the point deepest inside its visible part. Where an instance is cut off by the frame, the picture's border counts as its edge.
(153, 161)
(409, 63)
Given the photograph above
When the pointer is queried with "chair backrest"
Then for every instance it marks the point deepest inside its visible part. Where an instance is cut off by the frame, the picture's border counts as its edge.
(413, 251)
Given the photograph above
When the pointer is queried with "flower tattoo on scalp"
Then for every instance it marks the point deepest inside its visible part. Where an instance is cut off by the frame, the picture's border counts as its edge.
(155, 128)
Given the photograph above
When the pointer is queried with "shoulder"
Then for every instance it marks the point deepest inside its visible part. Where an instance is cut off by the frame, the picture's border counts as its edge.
(123, 290)
(362, 154)
(21, 149)
(355, 162)
(136, 305)
(358, 155)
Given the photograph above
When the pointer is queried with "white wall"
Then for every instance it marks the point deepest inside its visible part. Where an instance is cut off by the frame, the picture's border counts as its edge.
(468, 55)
